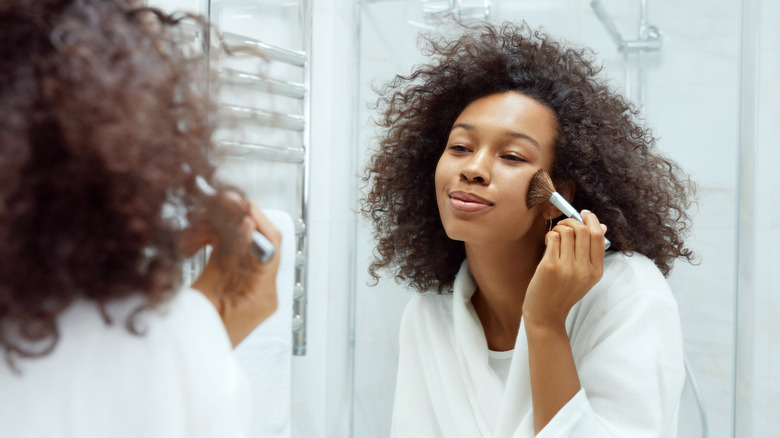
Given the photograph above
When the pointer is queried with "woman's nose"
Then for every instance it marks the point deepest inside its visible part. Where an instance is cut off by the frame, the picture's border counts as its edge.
(477, 169)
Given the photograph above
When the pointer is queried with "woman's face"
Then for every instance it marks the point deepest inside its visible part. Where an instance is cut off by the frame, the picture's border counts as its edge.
(495, 146)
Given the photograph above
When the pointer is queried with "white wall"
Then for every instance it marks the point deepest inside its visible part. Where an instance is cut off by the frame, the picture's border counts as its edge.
(387, 49)
(322, 379)
(759, 393)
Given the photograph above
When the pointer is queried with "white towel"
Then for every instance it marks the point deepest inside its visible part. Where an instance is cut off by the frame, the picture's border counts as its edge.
(266, 354)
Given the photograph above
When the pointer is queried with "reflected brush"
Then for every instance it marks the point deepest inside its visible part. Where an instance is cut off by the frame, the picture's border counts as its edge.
(542, 189)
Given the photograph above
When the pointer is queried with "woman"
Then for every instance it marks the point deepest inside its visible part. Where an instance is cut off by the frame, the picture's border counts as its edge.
(535, 331)
(105, 128)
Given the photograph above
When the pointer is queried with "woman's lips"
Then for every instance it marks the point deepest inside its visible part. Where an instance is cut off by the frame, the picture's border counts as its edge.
(468, 202)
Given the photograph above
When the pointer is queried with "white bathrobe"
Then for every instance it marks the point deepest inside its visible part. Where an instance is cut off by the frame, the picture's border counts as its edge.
(627, 344)
(179, 380)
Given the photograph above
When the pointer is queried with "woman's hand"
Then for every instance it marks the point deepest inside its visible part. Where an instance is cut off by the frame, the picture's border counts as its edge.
(571, 266)
(255, 298)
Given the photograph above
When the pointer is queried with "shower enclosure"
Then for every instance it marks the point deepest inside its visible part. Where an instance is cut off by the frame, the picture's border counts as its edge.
(705, 77)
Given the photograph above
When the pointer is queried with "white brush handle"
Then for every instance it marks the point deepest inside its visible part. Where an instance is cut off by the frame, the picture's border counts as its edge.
(262, 248)
(566, 208)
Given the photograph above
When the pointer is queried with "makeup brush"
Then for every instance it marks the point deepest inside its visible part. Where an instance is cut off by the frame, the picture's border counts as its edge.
(542, 189)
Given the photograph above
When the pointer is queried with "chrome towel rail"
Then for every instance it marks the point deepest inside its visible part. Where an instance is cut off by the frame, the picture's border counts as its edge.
(287, 56)
(234, 79)
(229, 76)
(291, 122)
(262, 152)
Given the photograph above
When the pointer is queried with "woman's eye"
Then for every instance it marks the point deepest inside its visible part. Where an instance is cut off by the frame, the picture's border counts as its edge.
(459, 148)
(512, 158)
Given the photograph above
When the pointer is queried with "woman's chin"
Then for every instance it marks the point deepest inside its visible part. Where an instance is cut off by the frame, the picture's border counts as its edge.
(473, 235)
(486, 236)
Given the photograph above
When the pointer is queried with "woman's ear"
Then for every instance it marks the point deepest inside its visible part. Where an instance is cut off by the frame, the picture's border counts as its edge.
(550, 212)
(567, 190)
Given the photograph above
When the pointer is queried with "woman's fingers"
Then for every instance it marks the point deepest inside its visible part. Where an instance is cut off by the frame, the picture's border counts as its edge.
(553, 241)
(596, 230)
(582, 246)
(265, 226)
(253, 220)
(582, 243)
(194, 238)
(567, 230)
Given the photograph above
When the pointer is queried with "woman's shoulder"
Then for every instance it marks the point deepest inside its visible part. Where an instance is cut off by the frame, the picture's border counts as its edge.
(629, 280)
(429, 303)
(436, 306)
(427, 314)
(632, 305)
(187, 319)
(631, 271)
(636, 263)
(180, 353)
(185, 325)
(190, 314)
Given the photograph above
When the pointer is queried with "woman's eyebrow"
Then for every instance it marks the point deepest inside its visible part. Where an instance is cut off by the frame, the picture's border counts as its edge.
(466, 126)
(520, 135)
(512, 134)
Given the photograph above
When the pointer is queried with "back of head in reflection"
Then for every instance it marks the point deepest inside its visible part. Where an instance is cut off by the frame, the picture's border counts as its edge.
(105, 122)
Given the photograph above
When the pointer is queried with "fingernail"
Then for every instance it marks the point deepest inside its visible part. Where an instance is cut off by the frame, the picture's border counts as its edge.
(585, 211)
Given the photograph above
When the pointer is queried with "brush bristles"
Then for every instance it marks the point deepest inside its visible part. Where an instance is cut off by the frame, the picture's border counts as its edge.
(541, 188)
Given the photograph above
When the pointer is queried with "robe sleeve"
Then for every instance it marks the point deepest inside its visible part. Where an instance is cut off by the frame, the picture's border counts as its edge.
(629, 359)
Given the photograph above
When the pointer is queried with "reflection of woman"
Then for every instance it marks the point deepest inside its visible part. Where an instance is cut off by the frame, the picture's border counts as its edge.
(543, 333)
(104, 125)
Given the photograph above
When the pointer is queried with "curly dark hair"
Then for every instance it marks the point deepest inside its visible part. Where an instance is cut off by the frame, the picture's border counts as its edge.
(105, 121)
(641, 196)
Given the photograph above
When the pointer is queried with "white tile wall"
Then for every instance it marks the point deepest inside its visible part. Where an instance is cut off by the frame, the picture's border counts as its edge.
(693, 105)
(322, 379)
(766, 361)
(387, 49)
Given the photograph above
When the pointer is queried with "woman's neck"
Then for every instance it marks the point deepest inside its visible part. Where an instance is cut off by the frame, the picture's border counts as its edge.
(502, 274)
